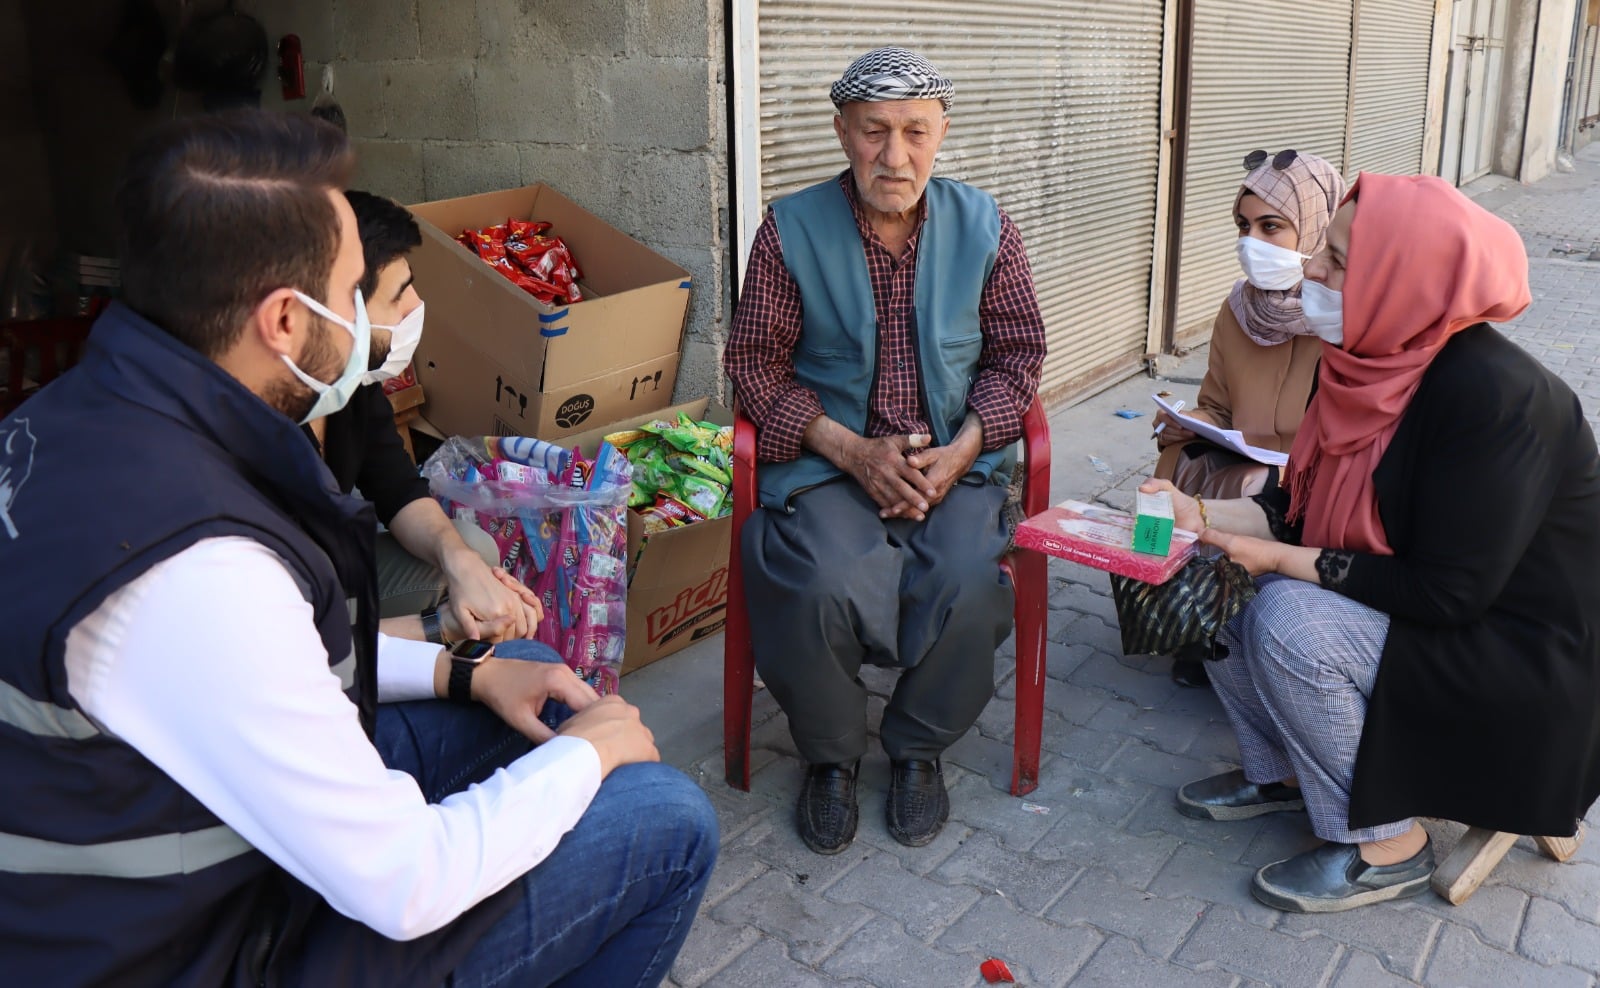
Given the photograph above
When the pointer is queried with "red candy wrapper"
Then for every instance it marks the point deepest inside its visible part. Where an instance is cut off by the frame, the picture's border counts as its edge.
(995, 970)
(540, 265)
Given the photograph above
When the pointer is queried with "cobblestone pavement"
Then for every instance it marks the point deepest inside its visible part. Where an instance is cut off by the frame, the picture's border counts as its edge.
(1094, 879)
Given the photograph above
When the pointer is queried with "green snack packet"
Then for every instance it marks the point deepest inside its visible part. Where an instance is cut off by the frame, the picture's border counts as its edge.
(704, 496)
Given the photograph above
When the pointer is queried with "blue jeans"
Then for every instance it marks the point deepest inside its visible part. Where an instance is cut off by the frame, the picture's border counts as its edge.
(614, 901)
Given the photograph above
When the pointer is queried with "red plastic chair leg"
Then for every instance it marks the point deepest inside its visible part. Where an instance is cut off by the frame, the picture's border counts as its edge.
(1028, 573)
(738, 684)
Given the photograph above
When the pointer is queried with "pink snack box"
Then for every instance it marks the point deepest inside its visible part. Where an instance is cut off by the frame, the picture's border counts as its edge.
(1101, 537)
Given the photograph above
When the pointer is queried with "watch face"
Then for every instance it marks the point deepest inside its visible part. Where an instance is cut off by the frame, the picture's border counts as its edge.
(473, 649)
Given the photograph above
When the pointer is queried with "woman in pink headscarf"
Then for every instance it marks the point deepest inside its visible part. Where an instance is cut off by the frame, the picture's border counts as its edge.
(1426, 640)
(1263, 354)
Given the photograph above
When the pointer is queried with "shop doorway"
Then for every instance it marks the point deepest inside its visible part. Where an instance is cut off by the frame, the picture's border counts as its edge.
(1477, 59)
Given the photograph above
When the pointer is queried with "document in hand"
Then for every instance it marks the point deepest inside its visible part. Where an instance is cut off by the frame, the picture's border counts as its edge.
(1226, 438)
(1101, 537)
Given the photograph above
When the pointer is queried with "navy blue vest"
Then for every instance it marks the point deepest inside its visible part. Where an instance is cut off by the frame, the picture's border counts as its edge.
(112, 872)
(837, 353)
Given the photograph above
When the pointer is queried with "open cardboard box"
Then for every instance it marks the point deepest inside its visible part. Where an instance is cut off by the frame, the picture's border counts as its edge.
(677, 579)
(494, 360)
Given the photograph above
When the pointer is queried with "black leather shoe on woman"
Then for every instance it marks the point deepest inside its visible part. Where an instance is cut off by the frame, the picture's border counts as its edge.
(1333, 878)
(918, 802)
(1230, 796)
(827, 813)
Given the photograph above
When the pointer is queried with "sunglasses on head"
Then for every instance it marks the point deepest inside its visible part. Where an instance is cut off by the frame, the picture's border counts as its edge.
(1283, 159)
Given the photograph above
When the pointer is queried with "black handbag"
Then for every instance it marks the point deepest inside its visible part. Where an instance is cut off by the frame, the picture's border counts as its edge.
(1191, 607)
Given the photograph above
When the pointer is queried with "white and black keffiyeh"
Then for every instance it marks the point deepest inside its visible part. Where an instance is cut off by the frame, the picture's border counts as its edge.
(885, 74)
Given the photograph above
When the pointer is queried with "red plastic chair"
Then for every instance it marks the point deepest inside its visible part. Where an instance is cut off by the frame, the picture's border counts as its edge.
(58, 344)
(1028, 576)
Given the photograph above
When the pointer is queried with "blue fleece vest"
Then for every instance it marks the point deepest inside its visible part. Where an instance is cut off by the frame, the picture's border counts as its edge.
(837, 354)
(113, 873)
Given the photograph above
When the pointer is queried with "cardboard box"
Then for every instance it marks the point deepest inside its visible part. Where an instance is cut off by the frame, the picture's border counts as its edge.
(496, 360)
(678, 579)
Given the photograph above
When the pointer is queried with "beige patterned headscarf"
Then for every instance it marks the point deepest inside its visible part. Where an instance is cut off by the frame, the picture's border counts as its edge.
(1306, 193)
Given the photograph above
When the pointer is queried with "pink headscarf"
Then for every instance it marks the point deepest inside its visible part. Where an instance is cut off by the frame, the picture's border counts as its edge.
(1306, 194)
(1424, 262)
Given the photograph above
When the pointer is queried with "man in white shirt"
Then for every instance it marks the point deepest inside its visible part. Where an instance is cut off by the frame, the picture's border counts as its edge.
(202, 787)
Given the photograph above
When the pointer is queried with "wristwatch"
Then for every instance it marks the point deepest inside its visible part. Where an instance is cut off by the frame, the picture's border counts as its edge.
(433, 626)
(465, 657)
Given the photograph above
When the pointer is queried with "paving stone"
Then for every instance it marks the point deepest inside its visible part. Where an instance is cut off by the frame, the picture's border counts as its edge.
(769, 965)
(736, 868)
(1085, 749)
(1145, 689)
(1076, 597)
(1075, 791)
(1400, 939)
(1135, 860)
(1362, 970)
(917, 860)
(1227, 940)
(709, 948)
(980, 806)
(1061, 660)
(1551, 935)
(1463, 961)
(1226, 839)
(1037, 951)
(884, 956)
(1089, 631)
(1197, 873)
(1573, 884)
(774, 841)
(922, 907)
(987, 757)
(1120, 964)
(1100, 900)
(1163, 729)
(1493, 914)
(777, 905)
(1141, 761)
(1025, 880)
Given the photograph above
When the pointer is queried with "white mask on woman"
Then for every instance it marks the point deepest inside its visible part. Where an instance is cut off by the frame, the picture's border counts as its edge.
(1323, 309)
(1270, 267)
(403, 340)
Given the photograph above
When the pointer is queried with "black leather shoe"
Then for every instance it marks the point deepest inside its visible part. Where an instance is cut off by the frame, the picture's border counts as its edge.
(918, 802)
(1190, 673)
(827, 813)
(1333, 878)
(1230, 797)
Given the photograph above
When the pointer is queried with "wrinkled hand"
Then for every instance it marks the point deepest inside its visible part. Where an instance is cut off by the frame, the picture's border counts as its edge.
(1185, 509)
(881, 468)
(486, 602)
(1256, 555)
(517, 690)
(1173, 433)
(613, 726)
(942, 466)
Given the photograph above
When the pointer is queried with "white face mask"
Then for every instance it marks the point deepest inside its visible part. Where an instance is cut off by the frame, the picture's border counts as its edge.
(1323, 309)
(332, 397)
(1268, 266)
(403, 340)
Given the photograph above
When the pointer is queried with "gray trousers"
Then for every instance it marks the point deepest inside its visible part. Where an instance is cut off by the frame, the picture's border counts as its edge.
(406, 584)
(1301, 664)
(832, 585)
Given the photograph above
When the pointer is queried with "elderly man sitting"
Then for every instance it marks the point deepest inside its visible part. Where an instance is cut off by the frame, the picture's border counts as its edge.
(886, 344)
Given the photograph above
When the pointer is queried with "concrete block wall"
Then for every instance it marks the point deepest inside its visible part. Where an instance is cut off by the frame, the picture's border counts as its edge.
(619, 105)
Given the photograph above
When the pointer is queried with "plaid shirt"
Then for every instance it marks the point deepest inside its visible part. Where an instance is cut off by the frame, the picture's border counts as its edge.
(766, 329)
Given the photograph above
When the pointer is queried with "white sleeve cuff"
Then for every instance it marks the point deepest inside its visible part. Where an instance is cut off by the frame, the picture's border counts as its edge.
(405, 669)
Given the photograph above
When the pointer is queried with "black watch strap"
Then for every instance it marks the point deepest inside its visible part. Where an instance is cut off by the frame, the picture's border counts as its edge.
(460, 690)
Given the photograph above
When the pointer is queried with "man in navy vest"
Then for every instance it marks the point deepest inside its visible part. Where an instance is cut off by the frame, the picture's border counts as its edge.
(202, 787)
(886, 344)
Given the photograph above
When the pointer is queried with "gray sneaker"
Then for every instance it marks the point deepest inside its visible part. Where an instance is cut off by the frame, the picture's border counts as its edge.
(1333, 878)
(1230, 796)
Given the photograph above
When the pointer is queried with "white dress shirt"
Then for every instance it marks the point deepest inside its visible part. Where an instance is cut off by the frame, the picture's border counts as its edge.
(211, 667)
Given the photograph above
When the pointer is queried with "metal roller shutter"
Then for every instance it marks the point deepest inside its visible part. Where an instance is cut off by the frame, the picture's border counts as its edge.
(1056, 114)
(1393, 41)
(1273, 74)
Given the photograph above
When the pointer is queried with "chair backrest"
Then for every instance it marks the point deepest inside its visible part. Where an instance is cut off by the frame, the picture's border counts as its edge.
(37, 353)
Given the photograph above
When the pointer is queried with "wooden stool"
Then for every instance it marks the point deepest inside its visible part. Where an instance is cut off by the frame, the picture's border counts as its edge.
(1479, 850)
